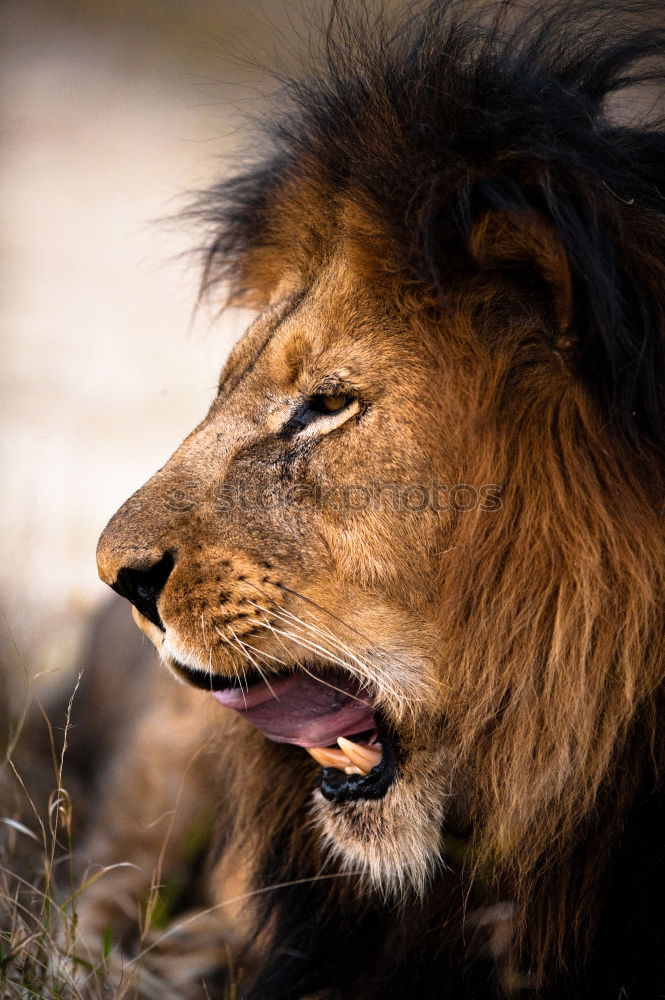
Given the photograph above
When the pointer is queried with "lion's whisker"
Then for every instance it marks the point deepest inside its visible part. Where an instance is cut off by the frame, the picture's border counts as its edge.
(282, 612)
(328, 684)
(319, 607)
(254, 664)
(286, 615)
(364, 681)
(229, 642)
(337, 642)
(312, 646)
(362, 670)
(309, 644)
(265, 623)
(320, 680)
(367, 669)
(326, 632)
(263, 655)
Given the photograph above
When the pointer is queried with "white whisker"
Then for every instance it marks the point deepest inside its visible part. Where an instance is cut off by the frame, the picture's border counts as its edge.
(241, 644)
(284, 613)
(226, 639)
(362, 670)
(263, 655)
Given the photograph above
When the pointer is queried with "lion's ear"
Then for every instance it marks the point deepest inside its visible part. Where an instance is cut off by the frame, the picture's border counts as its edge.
(525, 239)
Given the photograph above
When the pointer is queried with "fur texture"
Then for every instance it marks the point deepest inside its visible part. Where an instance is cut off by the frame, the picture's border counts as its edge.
(450, 223)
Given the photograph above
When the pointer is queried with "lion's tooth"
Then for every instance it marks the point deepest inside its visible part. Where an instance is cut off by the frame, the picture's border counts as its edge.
(352, 758)
(329, 758)
(364, 758)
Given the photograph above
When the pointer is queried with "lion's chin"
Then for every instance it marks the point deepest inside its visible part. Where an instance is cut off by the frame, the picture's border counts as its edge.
(392, 842)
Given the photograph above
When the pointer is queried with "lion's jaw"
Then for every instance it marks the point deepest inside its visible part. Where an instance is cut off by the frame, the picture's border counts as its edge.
(322, 580)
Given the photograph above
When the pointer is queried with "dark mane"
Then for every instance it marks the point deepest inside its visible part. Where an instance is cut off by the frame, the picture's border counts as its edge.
(429, 125)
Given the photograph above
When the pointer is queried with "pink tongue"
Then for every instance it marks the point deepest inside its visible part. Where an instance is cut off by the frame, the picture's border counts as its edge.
(302, 710)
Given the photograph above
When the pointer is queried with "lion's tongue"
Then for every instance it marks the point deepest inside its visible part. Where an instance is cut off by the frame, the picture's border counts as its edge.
(303, 710)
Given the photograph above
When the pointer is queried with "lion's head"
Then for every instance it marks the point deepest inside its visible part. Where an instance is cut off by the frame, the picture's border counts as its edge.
(424, 511)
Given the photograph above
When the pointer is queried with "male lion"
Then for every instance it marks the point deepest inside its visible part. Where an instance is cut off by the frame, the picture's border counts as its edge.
(412, 562)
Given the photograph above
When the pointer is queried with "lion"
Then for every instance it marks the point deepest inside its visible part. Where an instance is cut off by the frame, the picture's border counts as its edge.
(410, 568)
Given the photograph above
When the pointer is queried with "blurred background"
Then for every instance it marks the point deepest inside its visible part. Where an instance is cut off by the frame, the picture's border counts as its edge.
(113, 111)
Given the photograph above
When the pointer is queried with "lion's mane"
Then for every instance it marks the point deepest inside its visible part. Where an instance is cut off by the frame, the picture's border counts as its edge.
(467, 157)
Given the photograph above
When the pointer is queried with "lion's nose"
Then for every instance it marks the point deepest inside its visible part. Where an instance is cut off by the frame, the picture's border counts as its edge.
(143, 586)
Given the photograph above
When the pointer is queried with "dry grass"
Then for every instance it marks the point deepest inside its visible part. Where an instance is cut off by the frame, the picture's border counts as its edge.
(40, 886)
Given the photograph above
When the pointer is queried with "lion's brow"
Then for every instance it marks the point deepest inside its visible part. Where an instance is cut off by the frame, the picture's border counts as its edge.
(286, 308)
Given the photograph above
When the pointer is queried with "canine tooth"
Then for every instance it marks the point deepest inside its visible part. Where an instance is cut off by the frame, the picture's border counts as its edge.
(329, 758)
(364, 758)
(353, 770)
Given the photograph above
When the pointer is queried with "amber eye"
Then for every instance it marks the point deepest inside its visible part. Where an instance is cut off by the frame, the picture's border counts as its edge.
(331, 404)
(322, 405)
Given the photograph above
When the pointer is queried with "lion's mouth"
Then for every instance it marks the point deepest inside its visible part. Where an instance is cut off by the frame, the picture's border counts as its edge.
(323, 711)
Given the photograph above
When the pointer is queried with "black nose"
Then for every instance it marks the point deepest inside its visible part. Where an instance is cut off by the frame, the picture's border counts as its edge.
(143, 586)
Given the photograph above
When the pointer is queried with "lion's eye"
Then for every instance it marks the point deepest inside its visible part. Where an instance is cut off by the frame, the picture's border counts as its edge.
(330, 404)
(311, 414)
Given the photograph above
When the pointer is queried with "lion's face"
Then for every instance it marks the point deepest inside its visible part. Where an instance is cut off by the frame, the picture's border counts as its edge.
(285, 558)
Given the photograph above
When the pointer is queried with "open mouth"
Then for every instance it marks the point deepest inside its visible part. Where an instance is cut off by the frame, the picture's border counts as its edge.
(325, 712)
